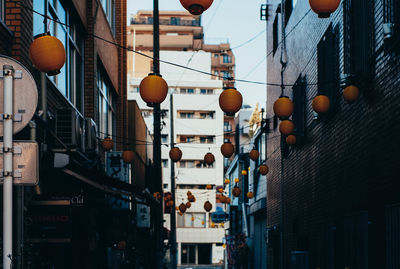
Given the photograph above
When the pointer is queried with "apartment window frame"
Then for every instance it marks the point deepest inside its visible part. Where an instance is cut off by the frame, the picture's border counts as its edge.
(70, 81)
(164, 138)
(226, 59)
(275, 34)
(175, 21)
(106, 104)
(299, 97)
(164, 163)
(109, 10)
(185, 221)
(327, 64)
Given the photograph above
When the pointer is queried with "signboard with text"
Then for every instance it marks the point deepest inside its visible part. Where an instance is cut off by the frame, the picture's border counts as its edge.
(142, 216)
(118, 169)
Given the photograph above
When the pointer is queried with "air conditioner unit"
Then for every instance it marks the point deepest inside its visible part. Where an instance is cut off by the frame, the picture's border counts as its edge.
(91, 135)
(70, 129)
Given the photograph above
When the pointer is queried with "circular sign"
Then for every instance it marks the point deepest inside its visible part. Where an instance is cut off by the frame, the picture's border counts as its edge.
(25, 94)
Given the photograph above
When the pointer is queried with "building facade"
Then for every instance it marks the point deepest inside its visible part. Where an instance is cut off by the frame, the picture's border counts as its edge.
(198, 126)
(80, 214)
(332, 198)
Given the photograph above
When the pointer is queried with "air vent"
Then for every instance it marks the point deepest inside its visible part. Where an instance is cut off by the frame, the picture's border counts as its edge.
(70, 129)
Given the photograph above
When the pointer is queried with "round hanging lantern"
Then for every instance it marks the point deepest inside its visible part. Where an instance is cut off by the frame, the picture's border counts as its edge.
(207, 206)
(175, 154)
(236, 191)
(324, 8)
(170, 203)
(191, 198)
(168, 196)
(107, 143)
(196, 7)
(47, 54)
(227, 181)
(153, 89)
(228, 200)
(244, 172)
(321, 104)
(283, 107)
(182, 208)
(227, 149)
(254, 154)
(157, 195)
(208, 186)
(230, 101)
(291, 139)
(222, 199)
(263, 169)
(351, 93)
(192, 218)
(202, 222)
(209, 158)
(286, 127)
(189, 193)
(188, 204)
(250, 195)
(127, 156)
(236, 180)
(212, 225)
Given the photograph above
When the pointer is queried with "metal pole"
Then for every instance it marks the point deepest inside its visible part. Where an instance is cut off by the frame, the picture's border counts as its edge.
(173, 212)
(8, 73)
(157, 138)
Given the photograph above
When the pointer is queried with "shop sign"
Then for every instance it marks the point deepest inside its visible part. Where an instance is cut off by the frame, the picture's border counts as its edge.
(118, 169)
(142, 216)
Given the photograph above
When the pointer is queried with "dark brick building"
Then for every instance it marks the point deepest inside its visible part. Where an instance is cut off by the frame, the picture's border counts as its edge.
(333, 197)
(74, 221)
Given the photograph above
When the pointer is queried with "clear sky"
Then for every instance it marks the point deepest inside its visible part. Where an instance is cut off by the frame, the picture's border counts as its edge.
(236, 21)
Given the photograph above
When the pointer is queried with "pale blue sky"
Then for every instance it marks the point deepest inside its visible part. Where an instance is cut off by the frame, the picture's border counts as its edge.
(237, 21)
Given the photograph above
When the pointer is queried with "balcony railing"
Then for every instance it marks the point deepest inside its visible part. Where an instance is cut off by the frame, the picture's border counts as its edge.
(167, 22)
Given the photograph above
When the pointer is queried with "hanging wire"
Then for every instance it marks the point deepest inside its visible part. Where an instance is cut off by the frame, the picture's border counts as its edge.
(163, 61)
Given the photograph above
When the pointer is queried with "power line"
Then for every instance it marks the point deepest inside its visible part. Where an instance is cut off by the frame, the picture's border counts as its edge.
(160, 60)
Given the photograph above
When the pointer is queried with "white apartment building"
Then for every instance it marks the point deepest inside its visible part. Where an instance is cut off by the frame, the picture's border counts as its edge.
(198, 128)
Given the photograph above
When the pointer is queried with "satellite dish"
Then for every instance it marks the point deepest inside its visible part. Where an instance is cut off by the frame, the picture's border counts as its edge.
(25, 94)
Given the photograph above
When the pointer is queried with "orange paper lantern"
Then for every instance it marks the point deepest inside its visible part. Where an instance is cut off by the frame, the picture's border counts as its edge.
(47, 54)
(196, 7)
(227, 149)
(263, 169)
(351, 93)
(283, 107)
(230, 101)
(127, 156)
(254, 154)
(286, 127)
(175, 154)
(321, 104)
(324, 8)
(153, 89)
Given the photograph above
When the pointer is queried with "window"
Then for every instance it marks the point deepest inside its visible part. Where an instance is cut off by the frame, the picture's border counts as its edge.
(175, 21)
(206, 91)
(358, 37)
(165, 163)
(165, 186)
(164, 113)
(216, 55)
(186, 115)
(105, 103)
(226, 74)
(299, 112)
(328, 66)
(186, 91)
(70, 81)
(227, 126)
(210, 91)
(227, 59)
(185, 139)
(109, 10)
(275, 41)
(207, 115)
(192, 220)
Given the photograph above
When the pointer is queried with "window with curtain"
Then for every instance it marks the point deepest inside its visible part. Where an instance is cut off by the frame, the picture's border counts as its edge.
(70, 81)
(106, 104)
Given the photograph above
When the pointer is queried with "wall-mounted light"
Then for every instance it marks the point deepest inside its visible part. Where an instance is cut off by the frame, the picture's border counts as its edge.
(388, 29)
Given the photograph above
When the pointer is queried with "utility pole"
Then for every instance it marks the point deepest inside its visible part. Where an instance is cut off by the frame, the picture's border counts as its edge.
(157, 139)
(173, 212)
(8, 75)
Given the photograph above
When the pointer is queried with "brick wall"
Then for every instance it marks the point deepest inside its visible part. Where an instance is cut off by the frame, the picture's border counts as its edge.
(348, 163)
